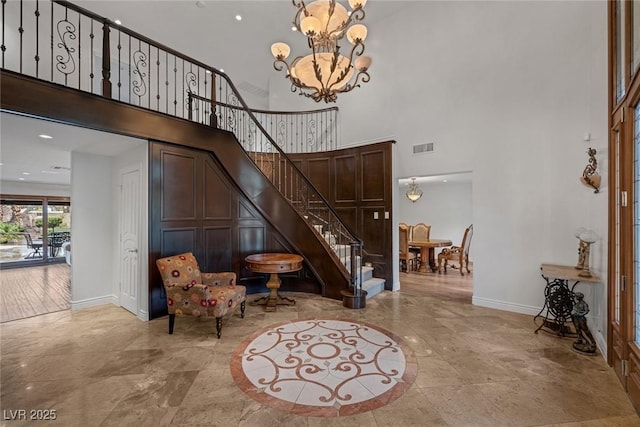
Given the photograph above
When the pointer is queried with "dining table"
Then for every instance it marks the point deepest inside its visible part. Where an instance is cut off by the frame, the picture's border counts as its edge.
(427, 251)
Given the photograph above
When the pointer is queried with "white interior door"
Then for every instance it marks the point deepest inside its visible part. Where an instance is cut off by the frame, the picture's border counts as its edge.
(130, 239)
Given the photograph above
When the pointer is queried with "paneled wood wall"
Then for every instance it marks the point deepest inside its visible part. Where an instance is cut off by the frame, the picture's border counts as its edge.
(357, 182)
(196, 208)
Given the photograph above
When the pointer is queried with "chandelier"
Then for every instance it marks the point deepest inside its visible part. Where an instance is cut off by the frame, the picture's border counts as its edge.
(414, 192)
(325, 72)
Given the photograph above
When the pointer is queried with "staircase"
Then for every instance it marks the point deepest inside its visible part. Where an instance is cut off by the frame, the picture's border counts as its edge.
(372, 285)
(164, 93)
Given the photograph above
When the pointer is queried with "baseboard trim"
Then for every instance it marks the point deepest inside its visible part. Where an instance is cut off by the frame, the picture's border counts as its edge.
(92, 302)
(143, 315)
(505, 305)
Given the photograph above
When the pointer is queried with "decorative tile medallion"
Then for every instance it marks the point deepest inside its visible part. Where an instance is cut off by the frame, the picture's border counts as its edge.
(324, 367)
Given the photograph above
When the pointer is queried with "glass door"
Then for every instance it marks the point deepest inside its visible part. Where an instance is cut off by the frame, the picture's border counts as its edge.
(34, 230)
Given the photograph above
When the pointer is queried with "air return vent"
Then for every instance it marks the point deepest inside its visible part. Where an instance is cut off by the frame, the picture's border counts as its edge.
(427, 147)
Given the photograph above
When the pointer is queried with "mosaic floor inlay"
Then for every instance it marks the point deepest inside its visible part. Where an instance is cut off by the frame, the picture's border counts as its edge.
(324, 367)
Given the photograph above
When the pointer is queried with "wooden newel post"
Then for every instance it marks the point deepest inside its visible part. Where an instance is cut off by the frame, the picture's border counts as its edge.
(106, 60)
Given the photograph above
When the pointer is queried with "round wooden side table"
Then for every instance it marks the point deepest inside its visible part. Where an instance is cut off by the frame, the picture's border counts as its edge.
(274, 263)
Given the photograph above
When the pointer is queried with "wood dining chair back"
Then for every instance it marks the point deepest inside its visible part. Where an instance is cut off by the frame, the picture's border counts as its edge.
(407, 258)
(457, 253)
(420, 232)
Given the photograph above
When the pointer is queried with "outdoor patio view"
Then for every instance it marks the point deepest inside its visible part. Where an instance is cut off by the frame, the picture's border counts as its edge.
(22, 231)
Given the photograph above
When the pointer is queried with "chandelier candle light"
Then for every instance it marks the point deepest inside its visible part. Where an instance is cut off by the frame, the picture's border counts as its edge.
(325, 72)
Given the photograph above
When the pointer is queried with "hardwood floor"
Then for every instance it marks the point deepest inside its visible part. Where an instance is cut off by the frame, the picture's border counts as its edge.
(31, 291)
(451, 286)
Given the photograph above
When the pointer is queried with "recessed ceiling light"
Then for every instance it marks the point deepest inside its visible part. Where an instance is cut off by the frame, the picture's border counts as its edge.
(238, 17)
(26, 173)
(43, 136)
(444, 180)
(293, 28)
(20, 179)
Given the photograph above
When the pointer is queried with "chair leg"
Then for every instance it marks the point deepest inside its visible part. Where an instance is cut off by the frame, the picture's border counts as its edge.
(172, 320)
(242, 307)
(218, 325)
(466, 261)
(461, 261)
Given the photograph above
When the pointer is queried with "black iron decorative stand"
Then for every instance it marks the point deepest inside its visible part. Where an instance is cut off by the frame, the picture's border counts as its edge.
(562, 305)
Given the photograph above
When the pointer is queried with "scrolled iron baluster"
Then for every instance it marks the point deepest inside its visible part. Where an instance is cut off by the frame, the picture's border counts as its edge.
(191, 81)
(66, 33)
(311, 132)
(139, 60)
(280, 134)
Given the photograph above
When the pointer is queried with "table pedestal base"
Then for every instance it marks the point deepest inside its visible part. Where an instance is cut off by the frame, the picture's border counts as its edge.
(274, 298)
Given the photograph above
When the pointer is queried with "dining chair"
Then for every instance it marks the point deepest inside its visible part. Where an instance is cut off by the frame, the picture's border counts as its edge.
(457, 253)
(190, 292)
(420, 232)
(407, 258)
(34, 246)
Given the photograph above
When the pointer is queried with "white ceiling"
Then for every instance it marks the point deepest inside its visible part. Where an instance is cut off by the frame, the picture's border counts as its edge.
(23, 152)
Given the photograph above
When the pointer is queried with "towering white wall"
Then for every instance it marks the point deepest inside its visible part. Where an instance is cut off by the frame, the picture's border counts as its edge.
(93, 233)
(506, 90)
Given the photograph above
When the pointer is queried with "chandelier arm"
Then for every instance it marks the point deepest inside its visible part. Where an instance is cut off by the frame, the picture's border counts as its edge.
(357, 14)
(348, 88)
(356, 50)
(301, 8)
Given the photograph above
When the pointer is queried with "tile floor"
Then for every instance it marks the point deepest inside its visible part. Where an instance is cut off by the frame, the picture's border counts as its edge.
(475, 367)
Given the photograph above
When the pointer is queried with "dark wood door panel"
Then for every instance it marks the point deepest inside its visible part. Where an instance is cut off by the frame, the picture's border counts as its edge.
(217, 200)
(374, 230)
(177, 186)
(218, 249)
(178, 240)
(251, 240)
(373, 173)
(349, 216)
(346, 181)
(319, 173)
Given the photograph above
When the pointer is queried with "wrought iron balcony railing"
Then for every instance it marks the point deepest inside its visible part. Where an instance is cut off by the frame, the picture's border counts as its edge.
(64, 44)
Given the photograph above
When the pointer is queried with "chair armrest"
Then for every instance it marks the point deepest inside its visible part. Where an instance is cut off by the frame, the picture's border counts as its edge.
(451, 250)
(219, 279)
(187, 299)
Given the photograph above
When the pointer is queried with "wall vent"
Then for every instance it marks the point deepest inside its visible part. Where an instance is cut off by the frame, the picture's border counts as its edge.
(423, 148)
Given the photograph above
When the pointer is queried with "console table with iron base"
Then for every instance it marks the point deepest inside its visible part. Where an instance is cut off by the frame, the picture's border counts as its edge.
(558, 311)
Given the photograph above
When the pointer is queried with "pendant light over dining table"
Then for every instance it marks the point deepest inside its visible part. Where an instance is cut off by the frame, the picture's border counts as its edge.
(414, 192)
(325, 71)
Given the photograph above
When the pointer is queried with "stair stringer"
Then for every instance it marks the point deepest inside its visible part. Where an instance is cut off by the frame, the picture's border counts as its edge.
(277, 210)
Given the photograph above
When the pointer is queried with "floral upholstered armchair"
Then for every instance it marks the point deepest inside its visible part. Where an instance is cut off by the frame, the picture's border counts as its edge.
(190, 292)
